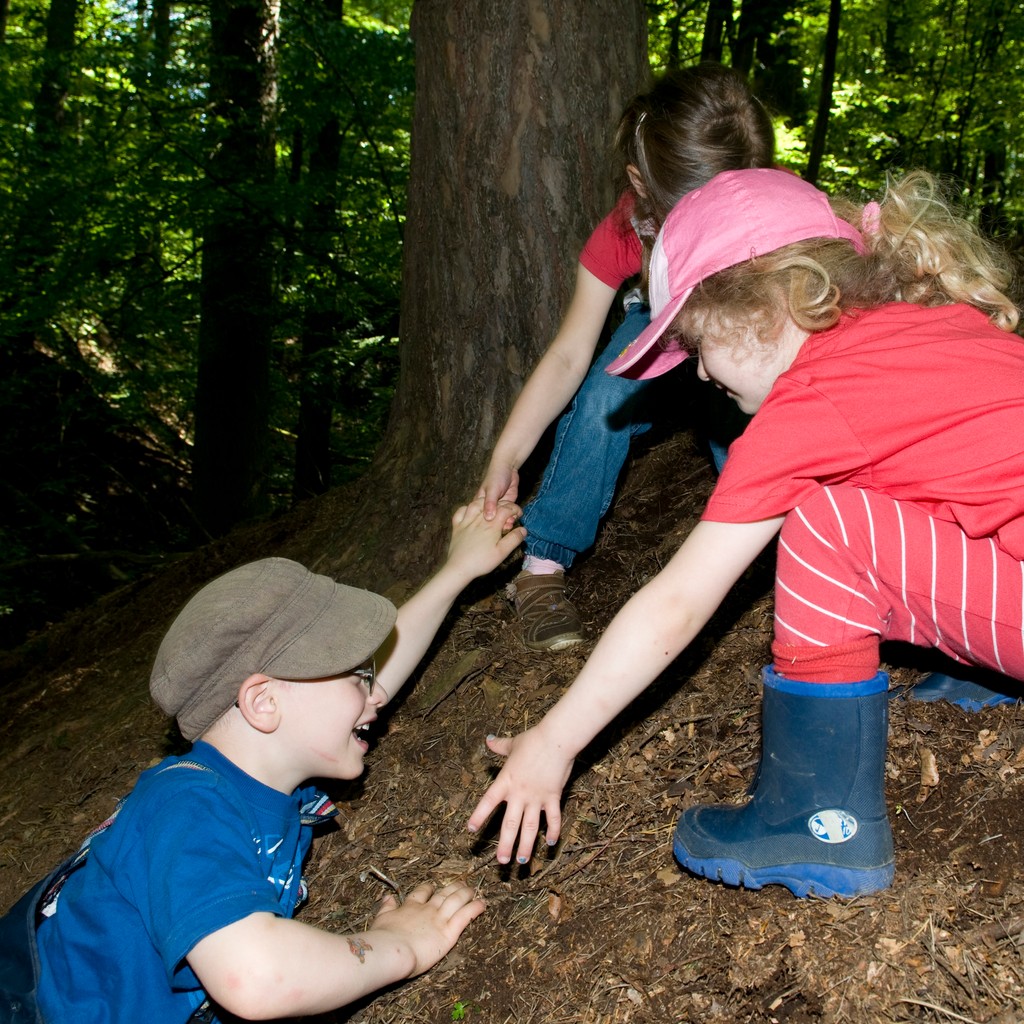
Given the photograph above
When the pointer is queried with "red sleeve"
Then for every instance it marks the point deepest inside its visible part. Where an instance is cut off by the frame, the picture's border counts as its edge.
(613, 253)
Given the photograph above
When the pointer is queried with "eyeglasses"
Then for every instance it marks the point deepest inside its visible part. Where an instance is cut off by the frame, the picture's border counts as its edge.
(367, 676)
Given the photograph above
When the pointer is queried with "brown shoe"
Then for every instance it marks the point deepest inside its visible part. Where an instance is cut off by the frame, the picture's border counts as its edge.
(549, 621)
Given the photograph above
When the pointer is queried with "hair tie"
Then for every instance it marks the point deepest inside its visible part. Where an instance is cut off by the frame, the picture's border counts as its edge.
(871, 218)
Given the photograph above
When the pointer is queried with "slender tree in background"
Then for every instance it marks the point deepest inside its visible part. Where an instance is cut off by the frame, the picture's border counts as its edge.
(324, 293)
(717, 23)
(816, 152)
(46, 391)
(759, 21)
(236, 293)
(347, 113)
(990, 165)
(39, 237)
(515, 108)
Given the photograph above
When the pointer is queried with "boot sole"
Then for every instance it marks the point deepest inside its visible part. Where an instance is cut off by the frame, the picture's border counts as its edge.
(558, 644)
(807, 879)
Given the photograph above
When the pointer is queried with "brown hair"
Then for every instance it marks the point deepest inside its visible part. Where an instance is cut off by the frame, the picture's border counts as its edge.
(693, 124)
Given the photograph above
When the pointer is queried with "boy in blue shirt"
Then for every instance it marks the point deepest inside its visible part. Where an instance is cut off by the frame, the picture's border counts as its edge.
(183, 907)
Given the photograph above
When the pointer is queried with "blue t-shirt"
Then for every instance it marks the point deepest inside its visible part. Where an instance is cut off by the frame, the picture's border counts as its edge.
(190, 852)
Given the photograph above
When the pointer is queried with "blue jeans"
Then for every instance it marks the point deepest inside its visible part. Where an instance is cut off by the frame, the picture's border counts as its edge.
(591, 445)
(719, 453)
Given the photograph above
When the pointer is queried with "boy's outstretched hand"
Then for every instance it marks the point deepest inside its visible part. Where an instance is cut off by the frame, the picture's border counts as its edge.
(429, 922)
(479, 545)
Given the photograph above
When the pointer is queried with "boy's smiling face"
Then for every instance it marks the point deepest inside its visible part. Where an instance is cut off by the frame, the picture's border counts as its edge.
(327, 720)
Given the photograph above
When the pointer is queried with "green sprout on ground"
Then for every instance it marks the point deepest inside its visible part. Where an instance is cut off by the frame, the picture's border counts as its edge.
(462, 1009)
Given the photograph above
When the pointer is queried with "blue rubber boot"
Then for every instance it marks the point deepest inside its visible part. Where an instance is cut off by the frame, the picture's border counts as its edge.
(961, 692)
(817, 821)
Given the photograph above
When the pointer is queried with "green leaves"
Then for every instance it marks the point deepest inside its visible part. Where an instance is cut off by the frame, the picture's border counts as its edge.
(917, 85)
(107, 188)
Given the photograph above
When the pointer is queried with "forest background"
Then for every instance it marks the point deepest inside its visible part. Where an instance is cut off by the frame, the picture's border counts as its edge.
(207, 228)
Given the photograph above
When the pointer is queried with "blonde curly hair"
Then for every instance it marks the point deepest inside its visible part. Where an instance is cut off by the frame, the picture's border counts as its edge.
(919, 249)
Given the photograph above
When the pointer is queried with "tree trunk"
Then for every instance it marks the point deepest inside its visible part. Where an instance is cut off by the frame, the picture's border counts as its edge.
(516, 105)
(758, 22)
(160, 30)
(61, 18)
(37, 237)
(36, 386)
(828, 75)
(320, 319)
(990, 216)
(716, 23)
(898, 60)
(233, 382)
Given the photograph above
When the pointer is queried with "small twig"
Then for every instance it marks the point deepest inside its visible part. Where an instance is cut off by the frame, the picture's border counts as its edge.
(782, 997)
(587, 861)
(937, 1009)
(381, 877)
(997, 930)
(661, 727)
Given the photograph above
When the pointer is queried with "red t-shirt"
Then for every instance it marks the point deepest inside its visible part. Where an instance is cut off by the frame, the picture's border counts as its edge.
(613, 253)
(924, 405)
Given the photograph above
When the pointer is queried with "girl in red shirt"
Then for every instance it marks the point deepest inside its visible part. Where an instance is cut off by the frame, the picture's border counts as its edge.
(692, 124)
(901, 517)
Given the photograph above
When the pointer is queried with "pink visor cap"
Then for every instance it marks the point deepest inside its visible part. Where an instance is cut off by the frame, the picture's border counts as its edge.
(736, 216)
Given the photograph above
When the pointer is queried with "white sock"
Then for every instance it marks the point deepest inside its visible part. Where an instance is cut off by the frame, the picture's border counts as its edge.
(541, 566)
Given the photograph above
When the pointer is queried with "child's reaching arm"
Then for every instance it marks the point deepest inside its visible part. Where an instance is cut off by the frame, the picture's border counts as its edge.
(265, 967)
(649, 632)
(554, 381)
(477, 546)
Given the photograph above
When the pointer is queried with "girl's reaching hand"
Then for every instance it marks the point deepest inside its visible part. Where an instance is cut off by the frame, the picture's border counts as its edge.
(530, 783)
(501, 484)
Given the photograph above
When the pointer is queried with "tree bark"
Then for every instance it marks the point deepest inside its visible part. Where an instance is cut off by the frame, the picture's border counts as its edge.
(233, 382)
(516, 105)
(61, 18)
(320, 319)
(828, 75)
(716, 23)
(758, 20)
(37, 237)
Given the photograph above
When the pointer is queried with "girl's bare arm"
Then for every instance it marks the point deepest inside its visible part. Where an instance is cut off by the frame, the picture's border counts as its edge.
(650, 631)
(552, 384)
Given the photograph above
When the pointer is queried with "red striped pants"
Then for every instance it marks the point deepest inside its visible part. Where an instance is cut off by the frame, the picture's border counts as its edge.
(853, 565)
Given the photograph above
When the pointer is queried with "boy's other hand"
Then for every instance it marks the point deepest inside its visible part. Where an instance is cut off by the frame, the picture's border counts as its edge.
(430, 920)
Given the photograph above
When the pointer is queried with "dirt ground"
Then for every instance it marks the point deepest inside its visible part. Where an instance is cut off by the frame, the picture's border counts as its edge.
(607, 928)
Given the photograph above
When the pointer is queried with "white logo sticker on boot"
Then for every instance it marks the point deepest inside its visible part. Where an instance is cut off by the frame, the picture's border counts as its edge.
(832, 826)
